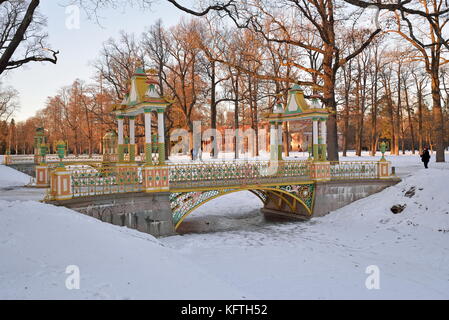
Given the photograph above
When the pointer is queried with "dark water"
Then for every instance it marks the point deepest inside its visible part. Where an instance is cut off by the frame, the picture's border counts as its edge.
(250, 220)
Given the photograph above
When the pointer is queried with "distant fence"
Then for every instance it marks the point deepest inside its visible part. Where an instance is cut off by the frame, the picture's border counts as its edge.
(18, 159)
(53, 158)
(50, 158)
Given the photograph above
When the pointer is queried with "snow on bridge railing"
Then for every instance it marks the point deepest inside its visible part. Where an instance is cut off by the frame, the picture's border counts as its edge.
(18, 159)
(227, 173)
(74, 158)
(90, 180)
(349, 170)
(50, 158)
(97, 178)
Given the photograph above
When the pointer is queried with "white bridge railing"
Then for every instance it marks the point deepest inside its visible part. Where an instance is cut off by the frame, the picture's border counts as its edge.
(18, 159)
(50, 158)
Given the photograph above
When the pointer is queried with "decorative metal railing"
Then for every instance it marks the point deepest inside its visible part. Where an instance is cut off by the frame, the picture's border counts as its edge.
(75, 165)
(50, 158)
(53, 158)
(354, 170)
(18, 159)
(73, 158)
(96, 178)
(89, 181)
(236, 173)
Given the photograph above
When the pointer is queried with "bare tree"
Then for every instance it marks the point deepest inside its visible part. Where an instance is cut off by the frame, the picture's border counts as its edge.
(426, 33)
(22, 39)
(406, 85)
(261, 16)
(420, 80)
(181, 75)
(9, 102)
(118, 61)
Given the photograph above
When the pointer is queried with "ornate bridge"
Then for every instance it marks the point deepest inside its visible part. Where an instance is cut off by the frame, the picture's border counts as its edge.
(286, 188)
(283, 185)
(143, 192)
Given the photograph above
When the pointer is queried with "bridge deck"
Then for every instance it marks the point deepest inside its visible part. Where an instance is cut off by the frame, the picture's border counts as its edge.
(96, 178)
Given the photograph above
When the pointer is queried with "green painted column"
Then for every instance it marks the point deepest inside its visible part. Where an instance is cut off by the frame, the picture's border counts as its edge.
(132, 139)
(383, 148)
(121, 139)
(148, 146)
(132, 153)
(319, 149)
(315, 140)
(323, 142)
(280, 143)
(273, 141)
(161, 136)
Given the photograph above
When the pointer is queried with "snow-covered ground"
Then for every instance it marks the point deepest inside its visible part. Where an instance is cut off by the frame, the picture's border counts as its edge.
(227, 250)
(12, 178)
(12, 186)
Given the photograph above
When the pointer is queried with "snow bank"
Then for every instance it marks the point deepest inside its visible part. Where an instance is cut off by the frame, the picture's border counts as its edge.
(38, 242)
(327, 257)
(425, 195)
(12, 178)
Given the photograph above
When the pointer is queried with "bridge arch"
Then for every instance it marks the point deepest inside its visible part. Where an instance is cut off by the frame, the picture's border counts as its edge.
(289, 199)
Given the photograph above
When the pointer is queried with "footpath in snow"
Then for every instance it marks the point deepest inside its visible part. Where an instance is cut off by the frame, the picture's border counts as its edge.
(238, 255)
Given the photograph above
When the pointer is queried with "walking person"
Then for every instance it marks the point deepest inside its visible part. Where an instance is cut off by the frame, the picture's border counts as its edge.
(425, 157)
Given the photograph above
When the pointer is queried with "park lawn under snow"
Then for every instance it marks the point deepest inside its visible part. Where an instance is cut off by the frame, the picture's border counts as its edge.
(12, 178)
(246, 258)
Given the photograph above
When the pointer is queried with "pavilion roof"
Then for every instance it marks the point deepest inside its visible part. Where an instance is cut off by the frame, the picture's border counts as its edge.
(142, 95)
(298, 108)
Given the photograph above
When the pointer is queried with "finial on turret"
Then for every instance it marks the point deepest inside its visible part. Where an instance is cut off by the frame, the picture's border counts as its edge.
(152, 82)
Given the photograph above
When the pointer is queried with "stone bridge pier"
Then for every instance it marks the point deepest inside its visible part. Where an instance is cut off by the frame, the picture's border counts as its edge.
(157, 199)
(159, 214)
(145, 212)
(328, 196)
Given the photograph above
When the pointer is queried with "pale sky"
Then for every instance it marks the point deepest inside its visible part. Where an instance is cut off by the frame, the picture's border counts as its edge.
(36, 81)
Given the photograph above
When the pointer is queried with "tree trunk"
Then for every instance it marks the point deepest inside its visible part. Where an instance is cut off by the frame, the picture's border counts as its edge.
(397, 118)
(213, 112)
(236, 118)
(420, 118)
(330, 104)
(374, 134)
(438, 125)
(409, 116)
(286, 139)
(359, 121)
(346, 124)
(392, 122)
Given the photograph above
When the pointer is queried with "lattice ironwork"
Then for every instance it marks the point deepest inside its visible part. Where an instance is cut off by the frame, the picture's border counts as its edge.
(262, 195)
(222, 174)
(52, 158)
(107, 180)
(305, 192)
(354, 170)
(183, 203)
(94, 178)
(19, 159)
